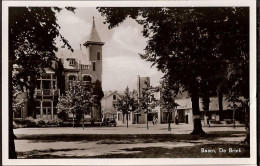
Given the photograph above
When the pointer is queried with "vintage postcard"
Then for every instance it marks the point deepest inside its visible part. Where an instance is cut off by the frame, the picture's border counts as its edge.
(129, 82)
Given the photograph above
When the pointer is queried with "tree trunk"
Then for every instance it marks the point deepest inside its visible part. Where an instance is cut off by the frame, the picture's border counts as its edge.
(205, 102)
(169, 122)
(234, 120)
(73, 120)
(32, 102)
(12, 152)
(83, 121)
(197, 127)
(127, 119)
(147, 120)
(123, 118)
(220, 104)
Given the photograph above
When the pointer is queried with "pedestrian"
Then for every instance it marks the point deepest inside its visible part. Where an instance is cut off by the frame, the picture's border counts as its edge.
(208, 124)
(176, 119)
(154, 120)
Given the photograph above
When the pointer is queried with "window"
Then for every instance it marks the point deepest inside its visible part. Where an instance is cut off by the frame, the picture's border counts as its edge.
(46, 84)
(114, 97)
(94, 66)
(84, 67)
(38, 112)
(54, 110)
(72, 78)
(114, 105)
(86, 78)
(98, 55)
(54, 84)
(72, 62)
(46, 104)
(46, 76)
(120, 117)
(18, 113)
(38, 84)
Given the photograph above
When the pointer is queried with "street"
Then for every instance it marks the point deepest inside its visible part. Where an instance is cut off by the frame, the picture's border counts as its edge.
(133, 142)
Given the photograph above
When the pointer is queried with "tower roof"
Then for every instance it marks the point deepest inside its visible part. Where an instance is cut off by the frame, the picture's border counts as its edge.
(94, 37)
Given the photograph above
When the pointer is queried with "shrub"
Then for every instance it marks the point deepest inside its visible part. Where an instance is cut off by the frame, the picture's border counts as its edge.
(40, 122)
(30, 122)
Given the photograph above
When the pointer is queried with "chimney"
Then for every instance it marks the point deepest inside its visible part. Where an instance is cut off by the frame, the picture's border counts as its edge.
(80, 47)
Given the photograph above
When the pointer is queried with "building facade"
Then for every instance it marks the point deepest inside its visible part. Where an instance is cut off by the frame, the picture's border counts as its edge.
(183, 112)
(80, 65)
(108, 104)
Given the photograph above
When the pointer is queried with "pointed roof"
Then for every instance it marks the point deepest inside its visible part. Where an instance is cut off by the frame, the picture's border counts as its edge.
(94, 37)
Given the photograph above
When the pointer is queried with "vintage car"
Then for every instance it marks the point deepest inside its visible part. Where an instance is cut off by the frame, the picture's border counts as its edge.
(109, 122)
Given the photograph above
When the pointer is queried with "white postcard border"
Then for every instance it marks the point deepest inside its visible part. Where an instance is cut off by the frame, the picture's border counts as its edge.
(154, 161)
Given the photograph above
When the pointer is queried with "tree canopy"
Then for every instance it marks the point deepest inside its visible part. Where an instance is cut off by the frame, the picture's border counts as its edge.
(127, 103)
(193, 45)
(32, 33)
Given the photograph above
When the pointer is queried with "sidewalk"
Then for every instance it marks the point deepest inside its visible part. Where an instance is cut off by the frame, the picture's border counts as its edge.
(121, 130)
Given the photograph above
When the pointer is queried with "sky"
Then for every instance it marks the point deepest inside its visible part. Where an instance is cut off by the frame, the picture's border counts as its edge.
(121, 62)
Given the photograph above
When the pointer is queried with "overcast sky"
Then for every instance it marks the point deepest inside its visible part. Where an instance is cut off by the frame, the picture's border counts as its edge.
(121, 62)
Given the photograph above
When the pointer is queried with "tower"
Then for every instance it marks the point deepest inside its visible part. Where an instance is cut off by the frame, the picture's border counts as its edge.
(94, 49)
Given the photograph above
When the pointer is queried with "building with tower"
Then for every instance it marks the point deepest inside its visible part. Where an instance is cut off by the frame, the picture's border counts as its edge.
(84, 65)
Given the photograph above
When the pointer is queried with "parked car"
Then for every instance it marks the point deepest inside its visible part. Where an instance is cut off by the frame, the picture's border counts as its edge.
(109, 122)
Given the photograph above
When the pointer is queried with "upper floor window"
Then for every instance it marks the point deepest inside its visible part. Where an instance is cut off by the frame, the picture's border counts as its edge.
(98, 55)
(94, 66)
(46, 76)
(72, 62)
(114, 97)
(85, 67)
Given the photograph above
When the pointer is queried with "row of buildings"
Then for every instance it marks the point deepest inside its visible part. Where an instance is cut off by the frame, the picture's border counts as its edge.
(86, 65)
(183, 111)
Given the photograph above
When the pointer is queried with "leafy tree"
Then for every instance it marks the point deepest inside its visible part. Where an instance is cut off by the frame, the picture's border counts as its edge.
(187, 44)
(79, 100)
(32, 33)
(167, 99)
(127, 103)
(147, 101)
(98, 92)
(18, 103)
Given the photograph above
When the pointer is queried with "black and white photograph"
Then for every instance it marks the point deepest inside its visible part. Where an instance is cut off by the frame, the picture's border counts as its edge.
(107, 82)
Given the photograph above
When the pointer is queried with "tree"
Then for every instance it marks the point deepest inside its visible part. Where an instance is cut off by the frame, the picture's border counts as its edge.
(127, 103)
(18, 102)
(147, 100)
(32, 33)
(167, 100)
(98, 92)
(59, 71)
(79, 100)
(184, 43)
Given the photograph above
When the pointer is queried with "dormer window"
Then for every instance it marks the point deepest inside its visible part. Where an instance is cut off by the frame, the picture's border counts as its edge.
(114, 97)
(71, 61)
